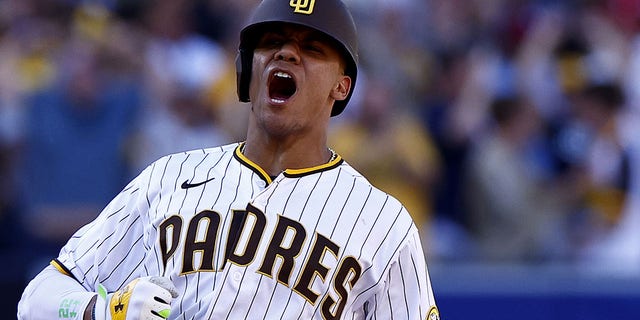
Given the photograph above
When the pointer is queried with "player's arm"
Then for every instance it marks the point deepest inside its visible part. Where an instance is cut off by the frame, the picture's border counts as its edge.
(408, 293)
(55, 293)
(52, 294)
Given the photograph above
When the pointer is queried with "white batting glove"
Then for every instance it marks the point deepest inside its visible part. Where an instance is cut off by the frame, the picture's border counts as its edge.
(147, 298)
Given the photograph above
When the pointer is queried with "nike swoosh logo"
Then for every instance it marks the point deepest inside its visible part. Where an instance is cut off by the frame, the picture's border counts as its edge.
(187, 185)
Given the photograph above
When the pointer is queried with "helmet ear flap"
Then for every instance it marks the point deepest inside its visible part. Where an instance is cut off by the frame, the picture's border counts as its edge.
(244, 62)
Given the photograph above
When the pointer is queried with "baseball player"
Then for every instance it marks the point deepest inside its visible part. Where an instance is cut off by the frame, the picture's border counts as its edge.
(275, 227)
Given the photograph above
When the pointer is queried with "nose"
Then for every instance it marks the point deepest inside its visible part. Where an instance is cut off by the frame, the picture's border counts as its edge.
(289, 52)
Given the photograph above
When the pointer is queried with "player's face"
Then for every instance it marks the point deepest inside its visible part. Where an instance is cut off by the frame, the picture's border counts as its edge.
(297, 75)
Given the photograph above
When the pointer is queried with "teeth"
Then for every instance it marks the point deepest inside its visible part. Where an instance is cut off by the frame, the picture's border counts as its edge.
(282, 74)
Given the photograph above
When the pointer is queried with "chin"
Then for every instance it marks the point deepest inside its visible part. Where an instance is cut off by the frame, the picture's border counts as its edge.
(273, 120)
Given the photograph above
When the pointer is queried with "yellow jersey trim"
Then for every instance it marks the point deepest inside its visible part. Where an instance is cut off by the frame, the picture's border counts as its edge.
(252, 165)
(290, 173)
(60, 267)
(326, 166)
(434, 314)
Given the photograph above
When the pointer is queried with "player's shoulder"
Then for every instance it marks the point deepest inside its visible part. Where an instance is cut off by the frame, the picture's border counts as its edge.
(352, 173)
(196, 154)
(391, 212)
(187, 159)
(363, 181)
(227, 148)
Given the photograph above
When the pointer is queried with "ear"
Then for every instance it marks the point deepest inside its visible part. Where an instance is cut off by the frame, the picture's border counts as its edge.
(341, 89)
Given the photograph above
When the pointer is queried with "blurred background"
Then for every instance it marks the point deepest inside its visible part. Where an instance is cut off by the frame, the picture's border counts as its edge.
(509, 128)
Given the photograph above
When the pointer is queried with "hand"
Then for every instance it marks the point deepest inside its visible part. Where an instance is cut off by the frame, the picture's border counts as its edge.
(145, 298)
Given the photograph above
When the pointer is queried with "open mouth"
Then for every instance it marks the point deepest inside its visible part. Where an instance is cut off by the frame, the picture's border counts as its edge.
(282, 86)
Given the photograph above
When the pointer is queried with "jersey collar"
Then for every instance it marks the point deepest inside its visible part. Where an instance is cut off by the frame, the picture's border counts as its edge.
(289, 173)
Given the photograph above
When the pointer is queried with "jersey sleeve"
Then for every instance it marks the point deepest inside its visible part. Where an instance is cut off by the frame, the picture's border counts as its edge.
(110, 250)
(408, 293)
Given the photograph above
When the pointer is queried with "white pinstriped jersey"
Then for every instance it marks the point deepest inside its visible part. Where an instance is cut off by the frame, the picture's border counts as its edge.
(317, 243)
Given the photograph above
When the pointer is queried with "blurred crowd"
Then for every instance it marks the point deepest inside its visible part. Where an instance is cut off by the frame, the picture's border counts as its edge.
(507, 127)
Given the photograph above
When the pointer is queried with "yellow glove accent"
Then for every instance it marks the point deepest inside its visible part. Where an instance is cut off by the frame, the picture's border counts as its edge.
(119, 303)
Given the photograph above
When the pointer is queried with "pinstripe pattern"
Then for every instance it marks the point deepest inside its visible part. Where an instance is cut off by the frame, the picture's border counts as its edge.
(331, 213)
